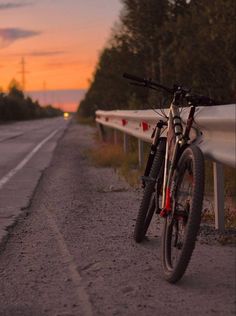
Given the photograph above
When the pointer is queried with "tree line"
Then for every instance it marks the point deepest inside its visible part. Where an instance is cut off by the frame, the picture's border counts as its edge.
(14, 105)
(188, 42)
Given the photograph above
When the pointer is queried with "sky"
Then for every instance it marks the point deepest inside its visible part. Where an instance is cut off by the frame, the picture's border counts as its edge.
(60, 41)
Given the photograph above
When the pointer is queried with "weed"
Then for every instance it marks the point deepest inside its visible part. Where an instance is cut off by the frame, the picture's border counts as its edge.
(112, 155)
(85, 120)
(107, 154)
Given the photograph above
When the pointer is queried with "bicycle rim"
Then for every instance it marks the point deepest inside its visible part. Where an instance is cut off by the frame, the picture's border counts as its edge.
(182, 225)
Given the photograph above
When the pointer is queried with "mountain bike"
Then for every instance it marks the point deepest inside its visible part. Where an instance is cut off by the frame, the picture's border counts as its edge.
(173, 180)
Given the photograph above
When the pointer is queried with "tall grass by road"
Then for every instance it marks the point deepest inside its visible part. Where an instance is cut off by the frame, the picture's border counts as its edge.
(108, 154)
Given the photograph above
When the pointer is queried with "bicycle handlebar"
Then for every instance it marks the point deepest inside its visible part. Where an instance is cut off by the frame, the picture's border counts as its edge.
(149, 83)
(193, 99)
(132, 77)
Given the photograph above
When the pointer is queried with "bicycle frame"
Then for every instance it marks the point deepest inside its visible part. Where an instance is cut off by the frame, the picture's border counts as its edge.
(179, 169)
(174, 141)
(177, 140)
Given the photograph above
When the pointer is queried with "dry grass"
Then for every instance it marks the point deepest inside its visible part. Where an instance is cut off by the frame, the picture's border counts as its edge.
(84, 120)
(110, 155)
(229, 179)
(208, 217)
(126, 165)
(107, 155)
(226, 240)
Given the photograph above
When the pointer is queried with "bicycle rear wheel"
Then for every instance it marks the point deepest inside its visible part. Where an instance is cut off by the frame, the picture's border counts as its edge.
(150, 200)
(182, 225)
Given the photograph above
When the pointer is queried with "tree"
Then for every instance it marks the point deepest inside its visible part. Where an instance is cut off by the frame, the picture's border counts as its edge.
(173, 41)
(14, 106)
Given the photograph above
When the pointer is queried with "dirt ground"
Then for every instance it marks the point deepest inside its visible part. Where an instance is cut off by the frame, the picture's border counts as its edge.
(72, 253)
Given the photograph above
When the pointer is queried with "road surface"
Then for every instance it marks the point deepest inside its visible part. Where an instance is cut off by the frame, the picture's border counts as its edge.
(72, 251)
(25, 151)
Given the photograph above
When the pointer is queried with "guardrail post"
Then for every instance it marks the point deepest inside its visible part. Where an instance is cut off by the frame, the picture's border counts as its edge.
(115, 137)
(219, 196)
(126, 143)
(140, 153)
(101, 132)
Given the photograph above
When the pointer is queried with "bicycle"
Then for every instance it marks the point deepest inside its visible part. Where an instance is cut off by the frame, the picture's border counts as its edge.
(175, 167)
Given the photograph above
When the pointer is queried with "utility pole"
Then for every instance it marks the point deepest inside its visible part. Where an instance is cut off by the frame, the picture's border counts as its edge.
(44, 93)
(23, 72)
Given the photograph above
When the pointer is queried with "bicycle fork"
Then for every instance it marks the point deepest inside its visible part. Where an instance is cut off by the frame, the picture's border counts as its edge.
(175, 130)
(155, 136)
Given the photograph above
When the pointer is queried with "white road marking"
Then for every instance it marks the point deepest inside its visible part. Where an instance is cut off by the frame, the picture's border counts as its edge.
(13, 171)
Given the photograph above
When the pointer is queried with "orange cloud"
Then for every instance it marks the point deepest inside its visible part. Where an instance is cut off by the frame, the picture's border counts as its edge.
(45, 53)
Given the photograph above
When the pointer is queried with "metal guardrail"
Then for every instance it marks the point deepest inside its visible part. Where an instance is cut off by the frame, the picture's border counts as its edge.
(214, 132)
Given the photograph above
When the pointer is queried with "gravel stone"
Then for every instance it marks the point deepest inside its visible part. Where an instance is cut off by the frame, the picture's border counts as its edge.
(77, 242)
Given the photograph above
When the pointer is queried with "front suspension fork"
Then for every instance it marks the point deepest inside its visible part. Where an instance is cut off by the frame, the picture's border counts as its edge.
(155, 136)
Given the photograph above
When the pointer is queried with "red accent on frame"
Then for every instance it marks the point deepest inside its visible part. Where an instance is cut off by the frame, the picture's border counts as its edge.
(167, 208)
(145, 126)
(167, 204)
(124, 122)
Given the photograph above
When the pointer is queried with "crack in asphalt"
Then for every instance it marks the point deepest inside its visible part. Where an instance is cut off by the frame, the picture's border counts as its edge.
(67, 258)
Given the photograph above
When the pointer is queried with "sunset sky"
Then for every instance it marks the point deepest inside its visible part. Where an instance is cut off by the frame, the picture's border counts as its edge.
(60, 40)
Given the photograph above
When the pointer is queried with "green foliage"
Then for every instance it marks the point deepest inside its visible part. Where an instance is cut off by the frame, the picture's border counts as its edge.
(172, 41)
(15, 106)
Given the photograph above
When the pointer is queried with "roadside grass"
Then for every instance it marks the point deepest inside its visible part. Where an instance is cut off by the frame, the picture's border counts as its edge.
(111, 155)
(229, 194)
(108, 154)
(229, 180)
(84, 120)
(208, 216)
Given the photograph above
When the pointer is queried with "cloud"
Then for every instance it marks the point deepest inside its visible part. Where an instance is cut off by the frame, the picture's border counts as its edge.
(10, 35)
(61, 64)
(13, 5)
(46, 53)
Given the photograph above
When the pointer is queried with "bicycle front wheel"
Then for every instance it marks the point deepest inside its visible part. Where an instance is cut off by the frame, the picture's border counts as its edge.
(182, 225)
(150, 200)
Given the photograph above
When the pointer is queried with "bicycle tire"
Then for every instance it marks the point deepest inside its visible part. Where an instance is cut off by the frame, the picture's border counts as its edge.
(151, 193)
(185, 215)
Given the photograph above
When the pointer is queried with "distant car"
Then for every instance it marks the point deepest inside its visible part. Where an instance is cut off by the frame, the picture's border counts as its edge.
(66, 115)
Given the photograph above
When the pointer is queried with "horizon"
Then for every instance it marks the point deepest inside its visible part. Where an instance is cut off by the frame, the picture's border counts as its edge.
(48, 46)
(66, 99)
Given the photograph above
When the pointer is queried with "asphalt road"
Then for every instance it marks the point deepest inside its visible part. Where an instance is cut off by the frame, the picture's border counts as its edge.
(72, 251)
(25, 151)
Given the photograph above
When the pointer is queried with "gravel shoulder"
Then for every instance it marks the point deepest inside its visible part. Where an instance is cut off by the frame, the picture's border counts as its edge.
(72, 253)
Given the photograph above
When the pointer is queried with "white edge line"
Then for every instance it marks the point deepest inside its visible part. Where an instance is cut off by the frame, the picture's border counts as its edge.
(13, 171)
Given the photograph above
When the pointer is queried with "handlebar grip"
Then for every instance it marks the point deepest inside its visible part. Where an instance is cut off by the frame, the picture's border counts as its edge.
(149, 83)
(132, 77)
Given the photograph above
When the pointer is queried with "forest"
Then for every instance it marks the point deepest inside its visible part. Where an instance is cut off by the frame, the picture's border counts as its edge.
(186, 42)
(14, 106)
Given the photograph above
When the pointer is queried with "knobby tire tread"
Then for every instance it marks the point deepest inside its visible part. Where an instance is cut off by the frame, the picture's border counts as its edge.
(143, 219)
(194, 218)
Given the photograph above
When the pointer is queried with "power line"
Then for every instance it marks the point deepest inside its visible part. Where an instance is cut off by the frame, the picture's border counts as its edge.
(23, 73)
